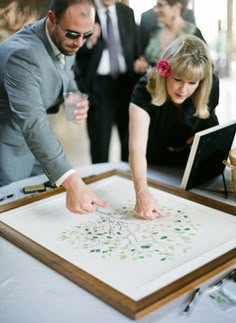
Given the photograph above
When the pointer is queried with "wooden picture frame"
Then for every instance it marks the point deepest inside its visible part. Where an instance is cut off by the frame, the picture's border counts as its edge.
(134, 309)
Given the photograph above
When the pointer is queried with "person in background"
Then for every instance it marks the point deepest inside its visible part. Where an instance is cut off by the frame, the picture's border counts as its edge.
(173, 21)
(35, 68)
(170, 103)
(109, 85)
(149, 23)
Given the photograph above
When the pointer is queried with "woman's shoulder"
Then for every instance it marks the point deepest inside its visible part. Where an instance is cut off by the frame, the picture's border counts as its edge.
(141, 82)
(140, 95)
(189, 28)
(140, 86)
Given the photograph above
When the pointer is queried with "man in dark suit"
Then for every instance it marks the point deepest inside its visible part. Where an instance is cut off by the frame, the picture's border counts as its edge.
(149, 23)
(109, 95)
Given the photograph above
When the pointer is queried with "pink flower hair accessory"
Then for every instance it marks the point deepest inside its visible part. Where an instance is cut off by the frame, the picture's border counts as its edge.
(163, 68)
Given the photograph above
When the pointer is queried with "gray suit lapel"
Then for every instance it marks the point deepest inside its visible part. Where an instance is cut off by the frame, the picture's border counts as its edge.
(39, 29)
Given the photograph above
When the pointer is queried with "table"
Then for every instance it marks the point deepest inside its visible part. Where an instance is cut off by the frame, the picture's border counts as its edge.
(31, 292)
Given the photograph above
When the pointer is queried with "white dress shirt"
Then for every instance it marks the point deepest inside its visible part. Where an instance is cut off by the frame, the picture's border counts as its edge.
(104, 65)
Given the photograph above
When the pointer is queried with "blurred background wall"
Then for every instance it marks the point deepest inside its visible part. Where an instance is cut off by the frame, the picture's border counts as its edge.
(15, 14)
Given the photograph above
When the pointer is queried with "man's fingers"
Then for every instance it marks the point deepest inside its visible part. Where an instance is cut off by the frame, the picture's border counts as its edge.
(99, 202)
(159, 212)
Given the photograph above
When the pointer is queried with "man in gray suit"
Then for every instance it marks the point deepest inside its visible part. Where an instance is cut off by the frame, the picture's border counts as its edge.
(32, 82)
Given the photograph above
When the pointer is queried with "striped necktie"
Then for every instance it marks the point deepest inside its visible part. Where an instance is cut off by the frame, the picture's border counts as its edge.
(112, 48)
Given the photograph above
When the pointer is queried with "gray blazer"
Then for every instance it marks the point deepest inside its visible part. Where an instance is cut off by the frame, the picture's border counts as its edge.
(31, 82)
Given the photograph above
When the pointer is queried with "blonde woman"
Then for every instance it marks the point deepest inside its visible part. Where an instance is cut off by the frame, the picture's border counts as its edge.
(168, 106)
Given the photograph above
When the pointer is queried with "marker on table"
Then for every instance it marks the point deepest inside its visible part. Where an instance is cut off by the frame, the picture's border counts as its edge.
(6, 197)
(228, 276)
(192, 301)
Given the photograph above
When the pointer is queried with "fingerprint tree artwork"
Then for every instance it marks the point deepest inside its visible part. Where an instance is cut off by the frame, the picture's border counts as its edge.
(122, 259)
(119, 233)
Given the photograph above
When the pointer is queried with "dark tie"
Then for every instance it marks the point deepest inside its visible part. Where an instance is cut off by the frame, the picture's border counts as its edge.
(111, 45)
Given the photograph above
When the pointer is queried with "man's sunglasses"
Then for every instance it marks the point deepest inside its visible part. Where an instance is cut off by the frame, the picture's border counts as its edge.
(74, 34)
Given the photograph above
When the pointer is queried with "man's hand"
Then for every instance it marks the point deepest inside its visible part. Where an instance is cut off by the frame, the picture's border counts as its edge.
(80, 199)
(82, 107)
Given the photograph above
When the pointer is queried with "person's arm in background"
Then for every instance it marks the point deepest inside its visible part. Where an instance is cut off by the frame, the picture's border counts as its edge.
(148, 23)
(146, 206)
(83, 59)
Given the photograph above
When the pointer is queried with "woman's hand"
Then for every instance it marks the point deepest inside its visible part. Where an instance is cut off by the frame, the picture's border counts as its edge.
(146, 206)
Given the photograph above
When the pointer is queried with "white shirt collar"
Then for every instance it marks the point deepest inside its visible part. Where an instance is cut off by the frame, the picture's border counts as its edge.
(54, 47)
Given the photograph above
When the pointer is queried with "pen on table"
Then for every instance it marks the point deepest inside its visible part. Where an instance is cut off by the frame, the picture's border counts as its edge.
(192, 301)
(6, 197)
(228, 276)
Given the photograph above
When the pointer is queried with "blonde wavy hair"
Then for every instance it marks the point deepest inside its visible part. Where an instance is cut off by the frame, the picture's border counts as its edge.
(189, 59)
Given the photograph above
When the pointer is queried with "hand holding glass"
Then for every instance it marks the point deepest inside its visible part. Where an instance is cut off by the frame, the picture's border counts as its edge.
(71, 103)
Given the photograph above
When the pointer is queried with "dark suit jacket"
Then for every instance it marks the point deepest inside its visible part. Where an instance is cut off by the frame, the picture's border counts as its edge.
(87, 60)
(149, 23)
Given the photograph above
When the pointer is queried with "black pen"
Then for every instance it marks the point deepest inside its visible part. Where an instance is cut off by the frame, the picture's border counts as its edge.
(6, 197)
(192, 301)
(228, 276)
